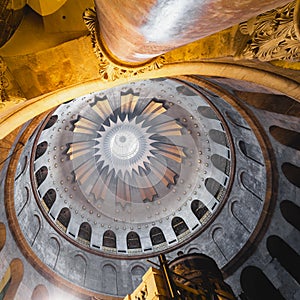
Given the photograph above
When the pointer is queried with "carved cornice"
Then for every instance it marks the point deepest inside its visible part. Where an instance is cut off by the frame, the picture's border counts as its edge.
(272, 35)
(110, 68)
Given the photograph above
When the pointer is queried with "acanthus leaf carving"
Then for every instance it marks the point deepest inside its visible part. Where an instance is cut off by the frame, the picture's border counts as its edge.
(272, 36)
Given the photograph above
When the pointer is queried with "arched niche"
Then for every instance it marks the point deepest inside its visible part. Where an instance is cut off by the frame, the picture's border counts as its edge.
(285, 255)
(109, 281)
(291, 172)
(199, 210)
(2, 235)
(257, 286)
(85, 233)
(251, 151)
(49, 198)
(63, 218)
(109, 239)
(218, 137)
(157, 236)
(252, 185)
(286, 137)
(40, 292)
(179, 226)
(291, 212)
(16, 271)
(133, 240)
(41, 149)
(137, 273)
(235, 119)
(41, 175)
(51, 122)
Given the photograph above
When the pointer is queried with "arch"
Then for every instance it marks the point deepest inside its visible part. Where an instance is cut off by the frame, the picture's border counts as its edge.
(64, 218)
(219, 240)
(49, 198)
(109, 239)
(218, 137)
(157, 236)
(22, 167)
(137, 273)
(2, 235)
(221, 163)
(41, 149)
(291, 172)
(41, 175)
(109, 279)
(287, 137)
(51, 122)
(133, 240)
(85, 232)
(252, 185)
(40, 292)
(252, 152)
(207, 112)
(285, 255)
(179, 226)
(257, 286)
(79, 269)
(53, 253)
(291, 212)
(14, 278)
(215, 188)
(200, 210)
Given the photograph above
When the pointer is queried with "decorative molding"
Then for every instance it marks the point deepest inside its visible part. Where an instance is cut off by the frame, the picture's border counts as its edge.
(110, 68)
(273, 35)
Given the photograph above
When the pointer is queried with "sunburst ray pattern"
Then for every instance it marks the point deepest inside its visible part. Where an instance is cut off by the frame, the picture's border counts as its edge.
(130, 152)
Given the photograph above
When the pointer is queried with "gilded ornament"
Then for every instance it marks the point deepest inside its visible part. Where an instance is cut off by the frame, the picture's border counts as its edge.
(273, 35)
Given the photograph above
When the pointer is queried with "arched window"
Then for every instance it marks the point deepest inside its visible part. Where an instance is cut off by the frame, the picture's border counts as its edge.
(179, 226)
(156, 235)
(41, 149)
(41, 175)
(291, 213)
(109, 239)
(133, 240)
(199, 210)
(286, 137)
(207, 112)
(221, 163)
(64, 218)
(218, 137)
(257, 286)
(215, 188)
(49, 198)
(291, 172)
(285, 255)
(51, 121)
(85, 233)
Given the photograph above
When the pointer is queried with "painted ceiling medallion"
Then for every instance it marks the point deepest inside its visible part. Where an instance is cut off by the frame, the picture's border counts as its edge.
(132, 149)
